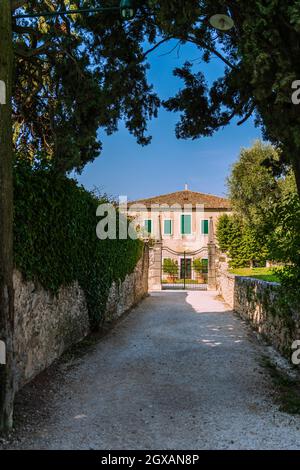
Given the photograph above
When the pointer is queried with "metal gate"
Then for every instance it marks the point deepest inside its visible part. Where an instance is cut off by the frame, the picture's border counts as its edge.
(184, 270)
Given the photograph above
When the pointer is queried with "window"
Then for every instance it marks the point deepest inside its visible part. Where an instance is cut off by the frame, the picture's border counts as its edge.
(168, 227)
(204, 227)
(186, 224)
(148, 226)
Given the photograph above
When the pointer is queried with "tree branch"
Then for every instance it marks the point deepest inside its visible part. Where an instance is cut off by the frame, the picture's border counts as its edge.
(248, 115)
(27, 52)
(15, 4)
(156, 46)
(27, 30)
(210, 49)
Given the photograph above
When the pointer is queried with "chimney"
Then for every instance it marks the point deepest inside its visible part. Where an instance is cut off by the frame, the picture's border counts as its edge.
(186, 188)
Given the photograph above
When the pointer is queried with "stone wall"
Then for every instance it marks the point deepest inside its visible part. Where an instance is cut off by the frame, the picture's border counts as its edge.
(257, 302)
(155, 261)
(225, 282)
(225, 287)
(46, 325)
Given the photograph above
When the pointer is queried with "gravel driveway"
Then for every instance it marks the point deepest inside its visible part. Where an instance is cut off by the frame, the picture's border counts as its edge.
(180, 372)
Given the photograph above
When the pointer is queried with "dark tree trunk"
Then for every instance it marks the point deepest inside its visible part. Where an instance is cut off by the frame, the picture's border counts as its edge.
(6, 221)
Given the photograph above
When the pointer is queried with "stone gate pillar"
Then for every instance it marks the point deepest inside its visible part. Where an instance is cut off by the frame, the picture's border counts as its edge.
(212, 251)
(155, 267)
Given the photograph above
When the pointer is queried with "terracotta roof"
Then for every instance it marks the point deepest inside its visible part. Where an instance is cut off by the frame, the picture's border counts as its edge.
(186, 197)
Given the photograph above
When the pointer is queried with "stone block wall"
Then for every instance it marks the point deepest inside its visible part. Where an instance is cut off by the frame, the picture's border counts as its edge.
(155, 261)
(46, 325)
(257, 302)
(124, 295)
(226, 286)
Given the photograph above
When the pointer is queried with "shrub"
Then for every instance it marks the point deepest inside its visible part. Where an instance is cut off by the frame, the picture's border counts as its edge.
(200, 265)
(170, 267)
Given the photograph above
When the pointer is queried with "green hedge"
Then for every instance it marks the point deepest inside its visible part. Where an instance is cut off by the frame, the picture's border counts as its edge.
(55, 240)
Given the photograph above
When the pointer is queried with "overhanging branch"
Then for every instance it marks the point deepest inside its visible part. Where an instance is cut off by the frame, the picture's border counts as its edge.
(158, 44)
(203, 45)
(247, 116)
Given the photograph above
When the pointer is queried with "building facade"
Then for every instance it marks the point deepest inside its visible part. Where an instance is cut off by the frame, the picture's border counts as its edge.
(183, 224)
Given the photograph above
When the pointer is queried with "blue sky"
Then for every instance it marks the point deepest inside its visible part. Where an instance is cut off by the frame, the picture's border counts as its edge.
(125, 168)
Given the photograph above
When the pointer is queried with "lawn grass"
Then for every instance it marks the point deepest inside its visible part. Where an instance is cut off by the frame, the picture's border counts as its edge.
(264, 274)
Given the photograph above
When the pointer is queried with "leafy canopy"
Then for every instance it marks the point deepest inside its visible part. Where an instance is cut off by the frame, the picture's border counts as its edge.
(268, 209)
(253, 189)
(74, 75)
(239, 242)
(95, 66)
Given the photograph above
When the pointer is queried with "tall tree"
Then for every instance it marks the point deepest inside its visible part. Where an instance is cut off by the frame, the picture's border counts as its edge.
(6, 219)
(252, 187)
(261, 61)
(66, 84)
(255, 191)
(55, 58)
(76, 75)
(239, 242)
(267, 205)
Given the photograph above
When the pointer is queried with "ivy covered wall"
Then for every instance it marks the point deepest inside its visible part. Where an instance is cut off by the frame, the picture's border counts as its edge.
(55, 240)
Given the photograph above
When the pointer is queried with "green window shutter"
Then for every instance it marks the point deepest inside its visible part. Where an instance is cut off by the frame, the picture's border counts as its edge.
(168, 227)
(205, 227)
(186, 225)
(148, 226)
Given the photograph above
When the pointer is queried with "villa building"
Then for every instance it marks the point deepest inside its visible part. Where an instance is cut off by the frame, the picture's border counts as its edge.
(183, 224)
